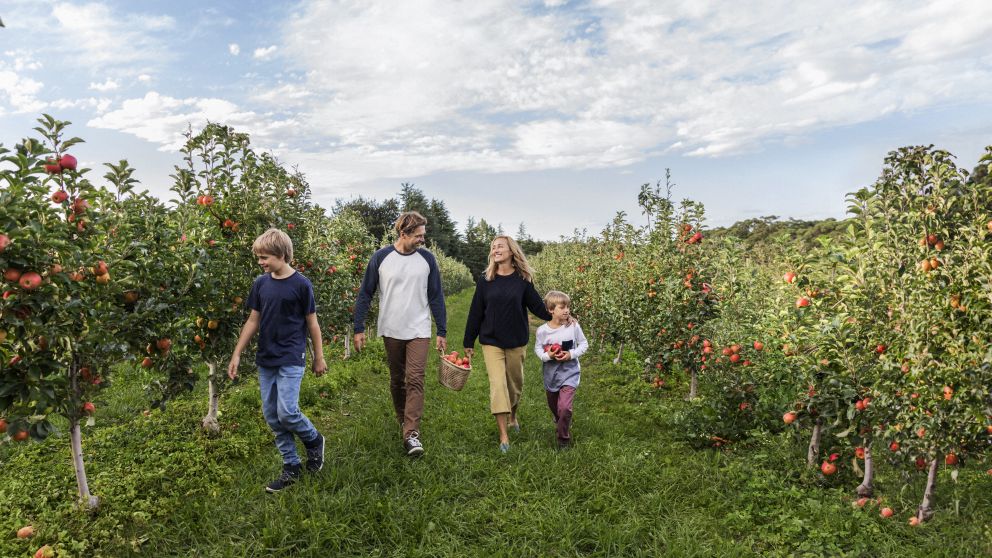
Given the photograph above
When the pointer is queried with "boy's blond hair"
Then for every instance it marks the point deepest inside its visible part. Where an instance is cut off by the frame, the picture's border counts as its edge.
(554, 298)
(274, 242)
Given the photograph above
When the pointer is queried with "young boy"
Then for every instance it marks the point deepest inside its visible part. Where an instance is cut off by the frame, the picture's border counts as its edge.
(559, 345)
(283, 312)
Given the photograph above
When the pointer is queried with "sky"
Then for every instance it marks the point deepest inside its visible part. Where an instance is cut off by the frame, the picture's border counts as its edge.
(548, 113)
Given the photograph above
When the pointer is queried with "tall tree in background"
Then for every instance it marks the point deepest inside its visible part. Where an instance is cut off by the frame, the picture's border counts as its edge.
(530, 246)
(441, 229)
(377, 217)
(478, 236)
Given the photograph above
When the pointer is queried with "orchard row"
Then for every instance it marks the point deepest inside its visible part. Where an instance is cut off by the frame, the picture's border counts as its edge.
(94, 275)
(875, 345)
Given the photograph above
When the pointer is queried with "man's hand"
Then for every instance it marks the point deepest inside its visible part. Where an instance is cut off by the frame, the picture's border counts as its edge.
(232, 367)
(442, 343)
(359, 341)
(319, 367)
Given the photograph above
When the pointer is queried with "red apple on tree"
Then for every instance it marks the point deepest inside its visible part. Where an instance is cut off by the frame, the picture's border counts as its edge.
(30, 281)
(68, 162)
(4, 242)
(52, 166)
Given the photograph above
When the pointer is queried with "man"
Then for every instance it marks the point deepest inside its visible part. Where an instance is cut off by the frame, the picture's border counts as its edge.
(410, 283)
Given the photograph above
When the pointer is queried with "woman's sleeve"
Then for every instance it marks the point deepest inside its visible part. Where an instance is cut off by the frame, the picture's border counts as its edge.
(534, 302)
(475, 315)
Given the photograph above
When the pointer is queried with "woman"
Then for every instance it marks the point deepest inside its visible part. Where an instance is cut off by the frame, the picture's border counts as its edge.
(498, 317)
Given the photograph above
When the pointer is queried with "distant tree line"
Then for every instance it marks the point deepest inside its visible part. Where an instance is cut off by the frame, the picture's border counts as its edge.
(765, 236)
(470, 246)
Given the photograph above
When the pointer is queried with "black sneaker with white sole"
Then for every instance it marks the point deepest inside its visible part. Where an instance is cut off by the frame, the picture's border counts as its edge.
(289, 475)
(315, 454)
(413, 446)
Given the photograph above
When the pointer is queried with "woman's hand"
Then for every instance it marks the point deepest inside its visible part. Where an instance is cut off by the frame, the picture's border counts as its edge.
(469, 352)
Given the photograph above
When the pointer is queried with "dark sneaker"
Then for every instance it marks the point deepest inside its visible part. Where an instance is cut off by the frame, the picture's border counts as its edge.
(413, 446)
(315, 454)
(289, 475)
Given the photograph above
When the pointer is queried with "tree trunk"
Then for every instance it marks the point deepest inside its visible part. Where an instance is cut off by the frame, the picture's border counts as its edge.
(925, 511)
(813, 455)
(89, 501)
(866, 489)
(347, 344)
(210, 423)
(693, 382)
(619, 354)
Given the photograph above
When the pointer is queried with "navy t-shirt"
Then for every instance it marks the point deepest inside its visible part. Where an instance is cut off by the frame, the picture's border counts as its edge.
(283, 305)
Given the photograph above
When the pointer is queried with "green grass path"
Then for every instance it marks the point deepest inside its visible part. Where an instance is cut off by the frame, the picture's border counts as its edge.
(628, 486)
(464, 498)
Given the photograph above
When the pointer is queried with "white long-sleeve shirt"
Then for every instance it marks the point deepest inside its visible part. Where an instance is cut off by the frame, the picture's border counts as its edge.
(558, 374)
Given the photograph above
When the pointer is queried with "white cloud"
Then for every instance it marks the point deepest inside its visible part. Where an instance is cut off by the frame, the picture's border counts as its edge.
(162, 119)
(108, 85)
(491, 87)
(234, 49)
(265, 52)
(144, 78)
(105, 38)
(18, 94)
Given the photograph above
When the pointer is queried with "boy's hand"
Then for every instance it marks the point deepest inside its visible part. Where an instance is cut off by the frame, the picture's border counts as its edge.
(319, 367)
(563, 355)
(232, 367)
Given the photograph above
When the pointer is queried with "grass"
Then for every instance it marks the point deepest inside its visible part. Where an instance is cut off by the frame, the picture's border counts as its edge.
(628, 487)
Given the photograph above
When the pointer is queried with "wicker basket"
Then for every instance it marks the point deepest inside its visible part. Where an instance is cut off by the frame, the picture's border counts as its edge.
(451, 375)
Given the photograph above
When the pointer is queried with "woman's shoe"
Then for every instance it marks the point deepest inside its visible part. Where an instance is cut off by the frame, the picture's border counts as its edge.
(504, 447)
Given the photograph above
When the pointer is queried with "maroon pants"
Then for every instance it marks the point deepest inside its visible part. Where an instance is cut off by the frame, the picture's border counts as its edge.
(560, 403)
(407, 360)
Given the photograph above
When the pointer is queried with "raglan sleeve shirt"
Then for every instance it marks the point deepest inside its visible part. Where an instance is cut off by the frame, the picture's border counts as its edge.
(410, 292)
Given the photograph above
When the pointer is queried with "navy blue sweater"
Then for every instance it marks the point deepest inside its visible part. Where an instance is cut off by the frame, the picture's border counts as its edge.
(498, 315)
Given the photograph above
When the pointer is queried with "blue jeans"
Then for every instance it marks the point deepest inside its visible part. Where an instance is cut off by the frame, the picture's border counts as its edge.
(280, 389)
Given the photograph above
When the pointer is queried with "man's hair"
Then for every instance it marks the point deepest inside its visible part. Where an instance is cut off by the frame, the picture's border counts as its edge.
(408, 222)
(554, 298)
(274, 242)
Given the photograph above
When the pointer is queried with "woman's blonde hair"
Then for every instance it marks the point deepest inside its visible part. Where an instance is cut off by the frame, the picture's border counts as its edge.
(517, 259)
(554, 298)
(274, 242)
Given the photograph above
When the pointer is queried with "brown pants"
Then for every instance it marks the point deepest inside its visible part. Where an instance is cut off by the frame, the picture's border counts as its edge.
(505, 368)
(407, 360)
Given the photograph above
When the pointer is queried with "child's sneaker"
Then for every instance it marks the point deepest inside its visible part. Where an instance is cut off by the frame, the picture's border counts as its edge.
(289, 475)
(413, 446)
(315, 454)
